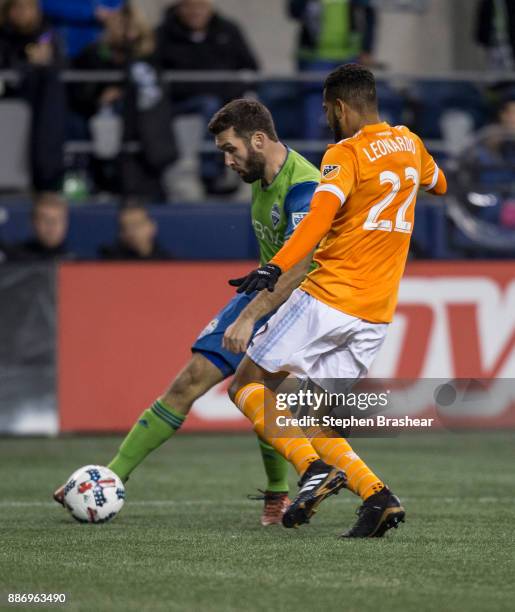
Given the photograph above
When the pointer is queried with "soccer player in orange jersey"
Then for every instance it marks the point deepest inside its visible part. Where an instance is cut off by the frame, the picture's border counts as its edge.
(360, 222)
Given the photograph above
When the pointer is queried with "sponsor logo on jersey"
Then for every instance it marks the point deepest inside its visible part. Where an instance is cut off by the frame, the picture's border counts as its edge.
(330, 171)
(297, 217)
(275, 215)
(263, 232)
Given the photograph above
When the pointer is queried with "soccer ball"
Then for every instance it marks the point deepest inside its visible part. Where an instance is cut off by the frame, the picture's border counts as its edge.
(94, 494)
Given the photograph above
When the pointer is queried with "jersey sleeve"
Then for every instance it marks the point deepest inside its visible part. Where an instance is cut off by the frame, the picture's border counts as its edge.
(296, 204)
(313, 228)
(338, 170)
(429, 170)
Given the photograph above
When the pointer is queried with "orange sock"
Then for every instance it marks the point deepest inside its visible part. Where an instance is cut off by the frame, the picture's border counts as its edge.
(252, 400)
(338, 452)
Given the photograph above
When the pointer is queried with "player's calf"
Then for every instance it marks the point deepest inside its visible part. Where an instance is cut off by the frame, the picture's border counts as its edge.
(376, 515)
(196, 378)
(318, 482)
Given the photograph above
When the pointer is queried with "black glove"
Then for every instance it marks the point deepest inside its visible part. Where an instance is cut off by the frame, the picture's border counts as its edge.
(263, 278)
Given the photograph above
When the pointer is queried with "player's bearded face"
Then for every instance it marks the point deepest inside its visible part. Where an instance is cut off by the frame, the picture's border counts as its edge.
(334, 124)
(333, 114)
(241, 156)
(253, 168)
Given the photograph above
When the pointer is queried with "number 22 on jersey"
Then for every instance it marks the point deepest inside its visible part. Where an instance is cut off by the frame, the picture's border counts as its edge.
(374, 222)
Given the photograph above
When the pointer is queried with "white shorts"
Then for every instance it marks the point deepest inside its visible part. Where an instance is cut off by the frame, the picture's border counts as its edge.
(312, 340)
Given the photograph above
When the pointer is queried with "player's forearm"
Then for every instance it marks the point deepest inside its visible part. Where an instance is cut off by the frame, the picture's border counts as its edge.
(310, 231)
(266, 302)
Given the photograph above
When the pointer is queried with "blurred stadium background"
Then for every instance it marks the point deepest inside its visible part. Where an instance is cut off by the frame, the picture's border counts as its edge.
(104, 156)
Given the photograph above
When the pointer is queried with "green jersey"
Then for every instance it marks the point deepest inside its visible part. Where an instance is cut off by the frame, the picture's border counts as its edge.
(278, 208)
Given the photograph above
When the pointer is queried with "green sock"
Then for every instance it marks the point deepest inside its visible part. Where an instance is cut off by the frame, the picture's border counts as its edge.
(156, 425)
(276, 468)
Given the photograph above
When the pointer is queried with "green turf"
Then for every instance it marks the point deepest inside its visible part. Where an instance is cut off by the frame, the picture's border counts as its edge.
(188, 539)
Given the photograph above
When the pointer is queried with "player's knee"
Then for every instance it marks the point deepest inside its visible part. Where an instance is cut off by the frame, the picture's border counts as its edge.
(234, 387)
(247, 372)
(186, 388)
(240, 379)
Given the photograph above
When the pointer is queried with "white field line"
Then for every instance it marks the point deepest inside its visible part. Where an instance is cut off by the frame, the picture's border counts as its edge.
(246, 502)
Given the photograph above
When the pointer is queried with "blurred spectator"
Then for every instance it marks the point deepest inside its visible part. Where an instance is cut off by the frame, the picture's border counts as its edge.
(499, 140)
(29, 45)
(50, 227)
(136, 237)
(496, 32)
(332, 33)
(79, 22)
(125, 37)
(126, 43)
(193, 36)
(26, 37)
(507, 151)
(483, 184)
(507, 115)
(495, 154)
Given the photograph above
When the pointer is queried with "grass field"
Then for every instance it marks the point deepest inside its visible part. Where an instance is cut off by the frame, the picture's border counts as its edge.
(188, 539)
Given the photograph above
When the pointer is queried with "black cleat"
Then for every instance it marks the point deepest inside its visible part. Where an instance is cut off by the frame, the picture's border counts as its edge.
(377, 514)
(318, 482)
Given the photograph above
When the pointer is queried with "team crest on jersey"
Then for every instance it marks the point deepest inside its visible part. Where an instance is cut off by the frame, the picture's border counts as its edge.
(275, 215)
(208, 329)
(330, 171)
(297, 218)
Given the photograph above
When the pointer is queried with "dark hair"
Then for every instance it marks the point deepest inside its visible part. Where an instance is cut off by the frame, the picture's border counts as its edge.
(353, 84)
(246, 117)
(132, 204)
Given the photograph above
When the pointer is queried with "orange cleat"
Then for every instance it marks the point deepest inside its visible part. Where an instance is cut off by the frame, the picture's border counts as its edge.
(275, 505)
(58, 495)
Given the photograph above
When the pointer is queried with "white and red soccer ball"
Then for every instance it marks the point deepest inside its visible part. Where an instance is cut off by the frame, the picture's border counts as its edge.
(94, 494)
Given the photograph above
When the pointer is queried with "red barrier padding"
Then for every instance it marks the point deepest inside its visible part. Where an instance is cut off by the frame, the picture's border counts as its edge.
(125, 331)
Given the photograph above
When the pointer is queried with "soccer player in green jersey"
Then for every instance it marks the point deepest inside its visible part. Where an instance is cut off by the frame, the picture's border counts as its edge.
(283, 183)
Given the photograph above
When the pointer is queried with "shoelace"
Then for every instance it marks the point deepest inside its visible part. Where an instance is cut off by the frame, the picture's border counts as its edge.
(271, 497)
(364, 509)
(360, 512)
(257, 497)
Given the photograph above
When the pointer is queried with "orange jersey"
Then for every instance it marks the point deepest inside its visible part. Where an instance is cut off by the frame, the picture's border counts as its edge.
(376, 176)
